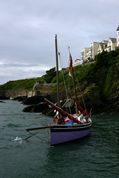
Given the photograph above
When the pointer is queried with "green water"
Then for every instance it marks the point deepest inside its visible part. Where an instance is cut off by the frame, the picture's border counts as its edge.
(94, 157)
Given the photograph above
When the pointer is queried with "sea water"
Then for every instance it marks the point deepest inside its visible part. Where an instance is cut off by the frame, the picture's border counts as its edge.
(96, 156)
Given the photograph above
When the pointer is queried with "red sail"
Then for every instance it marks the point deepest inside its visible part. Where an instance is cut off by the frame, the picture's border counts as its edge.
(70, 65)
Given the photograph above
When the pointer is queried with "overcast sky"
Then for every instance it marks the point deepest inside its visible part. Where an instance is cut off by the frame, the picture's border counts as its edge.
(28, 28)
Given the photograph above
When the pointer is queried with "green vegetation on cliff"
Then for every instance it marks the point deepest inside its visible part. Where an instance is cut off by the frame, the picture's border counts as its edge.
(98, 81)
(25, 84)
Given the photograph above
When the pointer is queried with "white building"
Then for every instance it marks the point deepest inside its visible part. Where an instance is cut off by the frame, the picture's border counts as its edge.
(117, 36)
(85, 54)
(88, 54)
(107, 45)
(94, 49)
(111, 45)
(102, 46)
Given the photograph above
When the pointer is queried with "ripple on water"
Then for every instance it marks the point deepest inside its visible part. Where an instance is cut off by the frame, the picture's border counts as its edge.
(94, 157)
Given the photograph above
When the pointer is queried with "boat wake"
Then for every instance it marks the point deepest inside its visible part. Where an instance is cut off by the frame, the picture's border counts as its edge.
(18, 139)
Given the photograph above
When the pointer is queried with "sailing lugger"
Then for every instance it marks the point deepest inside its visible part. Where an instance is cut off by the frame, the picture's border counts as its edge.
(73, 129)
(72, 126)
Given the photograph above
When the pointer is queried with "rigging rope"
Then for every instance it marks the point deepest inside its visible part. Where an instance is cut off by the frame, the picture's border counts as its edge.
(74, 86)
(64, 81)
(74, 79)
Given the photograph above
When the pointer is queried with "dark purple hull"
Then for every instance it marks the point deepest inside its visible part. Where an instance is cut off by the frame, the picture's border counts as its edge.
(61, 134)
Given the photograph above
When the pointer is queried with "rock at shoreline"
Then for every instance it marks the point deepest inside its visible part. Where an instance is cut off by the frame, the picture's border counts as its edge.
(36, 107)
(35, 100)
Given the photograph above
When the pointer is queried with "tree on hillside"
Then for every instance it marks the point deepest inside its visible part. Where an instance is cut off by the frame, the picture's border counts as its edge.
(50, 74)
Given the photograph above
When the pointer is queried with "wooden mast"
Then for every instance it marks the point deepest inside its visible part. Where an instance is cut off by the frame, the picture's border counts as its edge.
(57, 69)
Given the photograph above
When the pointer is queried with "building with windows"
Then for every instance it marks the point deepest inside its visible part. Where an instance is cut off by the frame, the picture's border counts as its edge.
(111, 45)
(94, 49)
(102, 46)
(88, 54)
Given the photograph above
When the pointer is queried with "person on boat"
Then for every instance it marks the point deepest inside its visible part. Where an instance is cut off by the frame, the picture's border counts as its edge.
(86, 115)
(81, 116)
(58, 118)
(67, 121)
